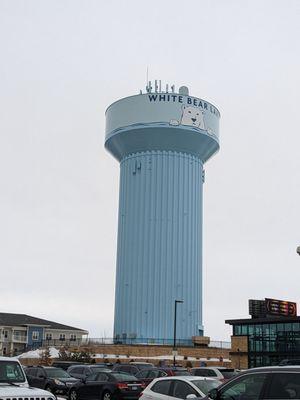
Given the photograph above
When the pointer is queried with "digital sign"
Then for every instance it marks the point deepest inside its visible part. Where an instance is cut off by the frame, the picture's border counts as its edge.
(281, 307)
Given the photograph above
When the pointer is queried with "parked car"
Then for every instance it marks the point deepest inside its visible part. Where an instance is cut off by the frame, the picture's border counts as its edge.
(178, 387)
(55, 380)
(83, 371)
(64, 364)
(107, 386)
(132, 368)
(147, 375)
(220, 373)
(260, 383)
(290, 361)
(14, 385)
(175, 371)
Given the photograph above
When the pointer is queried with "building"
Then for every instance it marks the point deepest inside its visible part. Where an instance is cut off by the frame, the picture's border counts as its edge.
(271, 335)
(20, 332)
(162, 139)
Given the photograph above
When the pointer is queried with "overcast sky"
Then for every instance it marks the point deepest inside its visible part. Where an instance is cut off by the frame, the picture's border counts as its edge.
(62, 62)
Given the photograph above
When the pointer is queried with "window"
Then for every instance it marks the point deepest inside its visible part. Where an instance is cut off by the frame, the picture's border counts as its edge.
(62, 337)
(143, 374)
(73, 337)
(284, 386)
(102, 377)
(244, 330)
(48, 336)
(162, 387)
(247, 387)
(5, 334)
(35, 335)
(182, 389)
(31, 371)
(4, 351)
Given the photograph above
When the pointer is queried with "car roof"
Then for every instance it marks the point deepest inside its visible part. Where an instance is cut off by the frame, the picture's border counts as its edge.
(275, 368)
(186, 378)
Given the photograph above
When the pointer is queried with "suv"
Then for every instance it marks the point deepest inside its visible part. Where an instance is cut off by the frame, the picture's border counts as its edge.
(56, 380)
(83, 371)
(261, 383)
(132, 368)
(220, 373)
(13, 382)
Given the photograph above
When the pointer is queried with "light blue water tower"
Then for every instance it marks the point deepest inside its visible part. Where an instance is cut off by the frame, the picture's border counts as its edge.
(161, 139)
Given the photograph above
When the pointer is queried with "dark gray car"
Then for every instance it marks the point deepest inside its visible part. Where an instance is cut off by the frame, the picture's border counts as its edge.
(83, 371)
(261, 383)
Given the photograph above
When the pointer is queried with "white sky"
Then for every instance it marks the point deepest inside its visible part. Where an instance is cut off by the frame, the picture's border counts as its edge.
(61, 64)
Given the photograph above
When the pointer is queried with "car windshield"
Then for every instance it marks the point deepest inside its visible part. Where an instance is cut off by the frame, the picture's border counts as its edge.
(206, 385)
(181, 373)
(56, 373)
(11, 371)
(143, 366)
(99, 369)
(123, 377)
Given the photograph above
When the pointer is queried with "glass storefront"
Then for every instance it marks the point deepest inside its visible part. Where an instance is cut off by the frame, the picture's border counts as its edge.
(269, 343)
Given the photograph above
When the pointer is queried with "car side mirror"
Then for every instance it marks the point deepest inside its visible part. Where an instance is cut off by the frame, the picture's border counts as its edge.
(191, 396)
(83, 380)
(214, 394)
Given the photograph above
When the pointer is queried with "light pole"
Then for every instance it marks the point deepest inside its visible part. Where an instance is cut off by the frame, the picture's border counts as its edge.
(174, 343)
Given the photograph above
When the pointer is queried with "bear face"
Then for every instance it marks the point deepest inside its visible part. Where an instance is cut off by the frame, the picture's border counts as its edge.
(192, 116)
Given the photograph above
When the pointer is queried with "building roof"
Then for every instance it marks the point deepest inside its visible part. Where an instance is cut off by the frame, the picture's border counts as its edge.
(266, 320)
(9, 319)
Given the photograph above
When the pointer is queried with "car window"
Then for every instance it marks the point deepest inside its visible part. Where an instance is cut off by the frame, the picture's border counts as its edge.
(154, 374)
(162, 387)
(102, 377)
(206, 385)
(284, 386)
(182, 389)
(181, 373)
(77, 370)
(247, 387)
(92, 377)
(122, 376)
(143, 374)
(31, 371)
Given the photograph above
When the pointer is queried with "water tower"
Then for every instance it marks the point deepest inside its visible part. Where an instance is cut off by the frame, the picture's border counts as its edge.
(161, 138)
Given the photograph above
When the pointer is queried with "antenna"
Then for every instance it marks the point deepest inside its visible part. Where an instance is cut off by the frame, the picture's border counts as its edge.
(147, 76)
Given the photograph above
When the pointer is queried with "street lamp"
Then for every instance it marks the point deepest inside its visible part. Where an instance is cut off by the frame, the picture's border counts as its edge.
(174, 343)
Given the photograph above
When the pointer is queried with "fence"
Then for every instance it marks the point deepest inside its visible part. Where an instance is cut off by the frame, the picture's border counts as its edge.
(58, 343)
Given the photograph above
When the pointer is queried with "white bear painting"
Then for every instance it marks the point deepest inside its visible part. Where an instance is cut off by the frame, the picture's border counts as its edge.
(192, 116)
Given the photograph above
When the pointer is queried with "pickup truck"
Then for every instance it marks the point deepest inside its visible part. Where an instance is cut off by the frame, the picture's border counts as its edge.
(14, 384)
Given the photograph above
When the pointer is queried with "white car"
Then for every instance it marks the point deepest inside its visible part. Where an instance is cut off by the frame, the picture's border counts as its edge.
(221, 373)
(13, 382)
(179, 387)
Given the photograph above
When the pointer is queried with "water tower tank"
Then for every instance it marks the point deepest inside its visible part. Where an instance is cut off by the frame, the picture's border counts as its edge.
(162, 141)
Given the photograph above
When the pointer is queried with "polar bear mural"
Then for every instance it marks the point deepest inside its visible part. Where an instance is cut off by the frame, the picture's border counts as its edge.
(191, 116)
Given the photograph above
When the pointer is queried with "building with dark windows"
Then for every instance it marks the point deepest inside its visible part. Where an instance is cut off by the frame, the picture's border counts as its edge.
(271, 335)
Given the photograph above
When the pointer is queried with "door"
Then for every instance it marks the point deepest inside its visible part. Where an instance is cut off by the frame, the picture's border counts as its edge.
(247, 387)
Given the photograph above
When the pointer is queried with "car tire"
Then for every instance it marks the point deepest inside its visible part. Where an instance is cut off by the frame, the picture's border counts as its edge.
(106, 395)
(73, 395)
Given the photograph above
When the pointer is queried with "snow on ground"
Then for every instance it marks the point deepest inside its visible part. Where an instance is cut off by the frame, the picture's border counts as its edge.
(38, 353)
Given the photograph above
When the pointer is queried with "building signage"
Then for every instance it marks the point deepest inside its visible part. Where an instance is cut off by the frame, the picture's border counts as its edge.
(281, 307)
